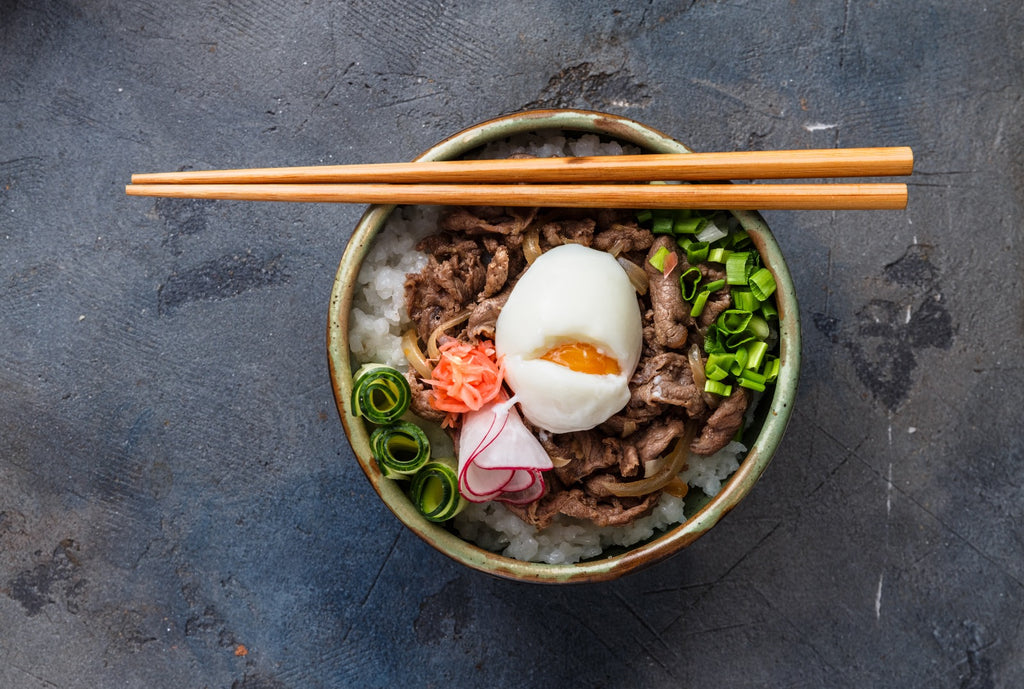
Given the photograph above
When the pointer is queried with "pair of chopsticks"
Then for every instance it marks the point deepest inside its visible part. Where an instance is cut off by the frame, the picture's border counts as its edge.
(585, 182)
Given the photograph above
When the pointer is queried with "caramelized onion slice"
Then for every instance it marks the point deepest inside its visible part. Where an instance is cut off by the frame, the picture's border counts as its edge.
(414, 355)
(670, 468)
(637, 275)
(432, 351)
(531, 245)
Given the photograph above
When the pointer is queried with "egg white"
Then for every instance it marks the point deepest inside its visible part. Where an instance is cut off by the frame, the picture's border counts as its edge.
(570, 294)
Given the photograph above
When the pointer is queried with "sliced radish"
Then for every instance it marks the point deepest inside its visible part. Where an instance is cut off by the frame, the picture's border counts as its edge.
(499, 458)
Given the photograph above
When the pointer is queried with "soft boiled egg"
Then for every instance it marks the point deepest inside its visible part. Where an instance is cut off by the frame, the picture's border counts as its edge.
(570, 334)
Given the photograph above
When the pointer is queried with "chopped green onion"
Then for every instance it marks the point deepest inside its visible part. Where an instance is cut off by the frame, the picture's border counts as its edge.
(717, 387)
(711, 233)
(662, 226)
(769, 310)
(744, 299)
(771, 370)
(752, 376)
(689, 281)
(755, 354)
(697, 252)
(739, 361)
(738, 267)
(734, 321)
(380, 393)
(400, 449)
(714, 285)
(713, 340)
(718, 254)
(435, 490)
(689, 225)
(762, 284)
(658, 259)
(737, 340)
(750, 384)
(644, 216)
(739, 240)
(759, 327)
(718, 365)
(699, 301)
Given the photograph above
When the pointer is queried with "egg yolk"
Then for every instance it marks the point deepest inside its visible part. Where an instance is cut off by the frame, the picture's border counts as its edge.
(582, 358)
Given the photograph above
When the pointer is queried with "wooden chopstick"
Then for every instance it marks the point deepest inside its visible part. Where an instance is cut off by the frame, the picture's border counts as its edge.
(811, 163)
(879, 196)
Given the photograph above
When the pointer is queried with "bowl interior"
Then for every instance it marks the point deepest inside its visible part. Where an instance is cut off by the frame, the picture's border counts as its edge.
(702, 513)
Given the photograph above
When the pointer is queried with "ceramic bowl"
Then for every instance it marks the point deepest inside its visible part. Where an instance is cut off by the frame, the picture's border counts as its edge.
(702, 513)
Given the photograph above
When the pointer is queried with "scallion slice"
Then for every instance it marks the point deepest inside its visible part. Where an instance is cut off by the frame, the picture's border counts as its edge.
(435, 490)
(643, 216)
(661, 225)
(744, 299)
(718, 365)
(718, 254)
(658, 259)
(750, 384)
(698, 303)
(762, 284)
(734, 321)
(697, 252)
(380, 393)
(714, 341)
(755, 354)
(738, 267)
(400, 449)
(739, 361)
(771, 370)
(689, 225)
(718, 388)
(711, 233)
(689, 281)
(769, 310)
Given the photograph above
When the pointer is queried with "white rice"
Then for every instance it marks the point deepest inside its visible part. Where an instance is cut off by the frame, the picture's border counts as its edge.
(376, 324)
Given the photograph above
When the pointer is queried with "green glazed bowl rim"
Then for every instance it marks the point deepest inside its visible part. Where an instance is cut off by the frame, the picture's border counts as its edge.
(667, 543)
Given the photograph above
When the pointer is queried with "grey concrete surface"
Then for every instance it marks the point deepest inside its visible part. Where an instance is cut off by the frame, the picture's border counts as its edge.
(178, 503)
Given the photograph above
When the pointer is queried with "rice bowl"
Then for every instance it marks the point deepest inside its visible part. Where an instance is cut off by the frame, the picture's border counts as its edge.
(356, 331)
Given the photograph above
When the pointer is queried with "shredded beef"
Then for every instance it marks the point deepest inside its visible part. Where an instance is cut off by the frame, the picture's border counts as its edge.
(584, 451)
(421, 396)
(568, 231)
(671, 312)
(722, 425)
(484, 317)
(627, 237)
(575, 502)
(666, 378)
(488, 220)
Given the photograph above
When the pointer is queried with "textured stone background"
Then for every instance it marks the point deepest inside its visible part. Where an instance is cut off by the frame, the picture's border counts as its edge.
(175, 483)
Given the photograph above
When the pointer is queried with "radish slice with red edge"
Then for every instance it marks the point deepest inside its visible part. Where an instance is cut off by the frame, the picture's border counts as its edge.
(499, 459)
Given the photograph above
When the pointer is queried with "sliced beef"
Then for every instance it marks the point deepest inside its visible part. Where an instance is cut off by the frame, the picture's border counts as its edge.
(421, 396)
(497, 272)
(568, 231)
(671, 312)
(718, 301)
(625, 237)
(477, 220)
(722, 425)
(584, 453)
(609, 511)
(484, 316)
(452, 279)
(666, 378)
